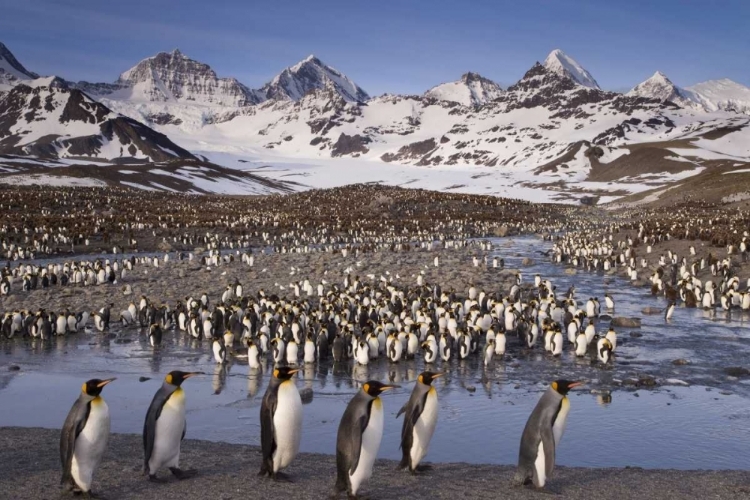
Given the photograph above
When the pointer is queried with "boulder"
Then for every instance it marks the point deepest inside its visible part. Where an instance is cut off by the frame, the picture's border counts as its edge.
(626, 322)
(737, 371)
(527, 261)
(651, 310)
(164, 246)
(501, 231)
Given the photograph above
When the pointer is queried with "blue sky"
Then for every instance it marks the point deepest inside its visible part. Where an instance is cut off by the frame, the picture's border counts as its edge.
(397, 46)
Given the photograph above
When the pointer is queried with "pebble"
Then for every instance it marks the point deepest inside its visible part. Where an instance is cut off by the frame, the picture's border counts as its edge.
(14, 368)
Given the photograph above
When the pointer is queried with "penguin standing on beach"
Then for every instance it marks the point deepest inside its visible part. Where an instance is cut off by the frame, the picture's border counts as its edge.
(84, 437)
(280, 422)
(542, 434)
(165, 426)
(358, 439)
(420, 419)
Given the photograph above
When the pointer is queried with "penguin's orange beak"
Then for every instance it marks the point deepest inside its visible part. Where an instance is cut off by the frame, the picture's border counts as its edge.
(294, 371)
(438, 375)
(105, 382)
(576, 384)
(192, 374)
(389, 387)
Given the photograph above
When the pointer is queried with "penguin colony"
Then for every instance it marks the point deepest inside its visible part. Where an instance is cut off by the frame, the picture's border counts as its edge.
(711, 281)
(359, 320)
(38, 222)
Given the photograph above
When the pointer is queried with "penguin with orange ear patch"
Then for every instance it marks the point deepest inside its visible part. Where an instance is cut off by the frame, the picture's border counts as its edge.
(359, 436)
(84, 437)
(165, 427)
(420, 419)
(280, 422)
(542, 434)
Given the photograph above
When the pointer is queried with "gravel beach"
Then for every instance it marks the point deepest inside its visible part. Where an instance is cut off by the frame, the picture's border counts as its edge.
(31, 470)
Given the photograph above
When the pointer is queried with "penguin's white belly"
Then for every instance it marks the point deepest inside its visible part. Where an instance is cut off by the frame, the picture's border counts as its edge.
(562, 417)
(424, 429)
(90, 444)
(370, 445)
(217, 353)
(287, 425)
(539, 466)
(168, 438)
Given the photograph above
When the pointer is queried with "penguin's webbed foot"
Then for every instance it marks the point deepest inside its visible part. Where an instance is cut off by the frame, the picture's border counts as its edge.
(154, 479)
(281, 477)
(92, 495)
(420, 469)
(183, 474)
(543, 490)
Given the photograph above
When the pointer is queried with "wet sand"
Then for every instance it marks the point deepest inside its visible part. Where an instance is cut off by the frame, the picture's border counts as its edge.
(31, 470)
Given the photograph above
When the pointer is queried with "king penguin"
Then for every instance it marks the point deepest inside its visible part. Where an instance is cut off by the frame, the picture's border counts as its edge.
(165, 426)
(542, 434)
(84, 437)
(420, 419)
(280, 422)
(359, 435)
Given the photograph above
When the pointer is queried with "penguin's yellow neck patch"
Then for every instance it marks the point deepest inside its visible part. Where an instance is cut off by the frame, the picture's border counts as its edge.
(377, 403)
(97, 400)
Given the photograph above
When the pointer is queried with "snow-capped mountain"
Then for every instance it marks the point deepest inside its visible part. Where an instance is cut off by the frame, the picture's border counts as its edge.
(174, 77)
(554, 130)
(12, 71)
(658, 86)
(564, 65)
(471, 90)
(56, 122)
(309, 74)
(724, 95)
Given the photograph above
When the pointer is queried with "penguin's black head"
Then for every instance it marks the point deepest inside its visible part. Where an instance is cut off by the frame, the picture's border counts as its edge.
(374, 388)
(564, 386)
(427, 377)
(177, 377)
(284, 372)
(94, 386)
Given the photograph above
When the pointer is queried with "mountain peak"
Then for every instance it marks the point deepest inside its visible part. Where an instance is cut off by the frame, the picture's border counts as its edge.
(722, 94)
(659, 87)
(11, 69)
(309, 74)
(172, 76)
(471, 90)
(559, 62)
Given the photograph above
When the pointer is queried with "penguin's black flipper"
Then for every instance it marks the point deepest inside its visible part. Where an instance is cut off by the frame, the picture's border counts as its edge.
(355, 441)
(548, 440)
(402, 410)
(74, 424)
(267, 441)
(149, 426)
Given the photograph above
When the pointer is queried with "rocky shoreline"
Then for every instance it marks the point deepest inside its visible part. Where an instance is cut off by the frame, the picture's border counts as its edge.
(31, 471)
